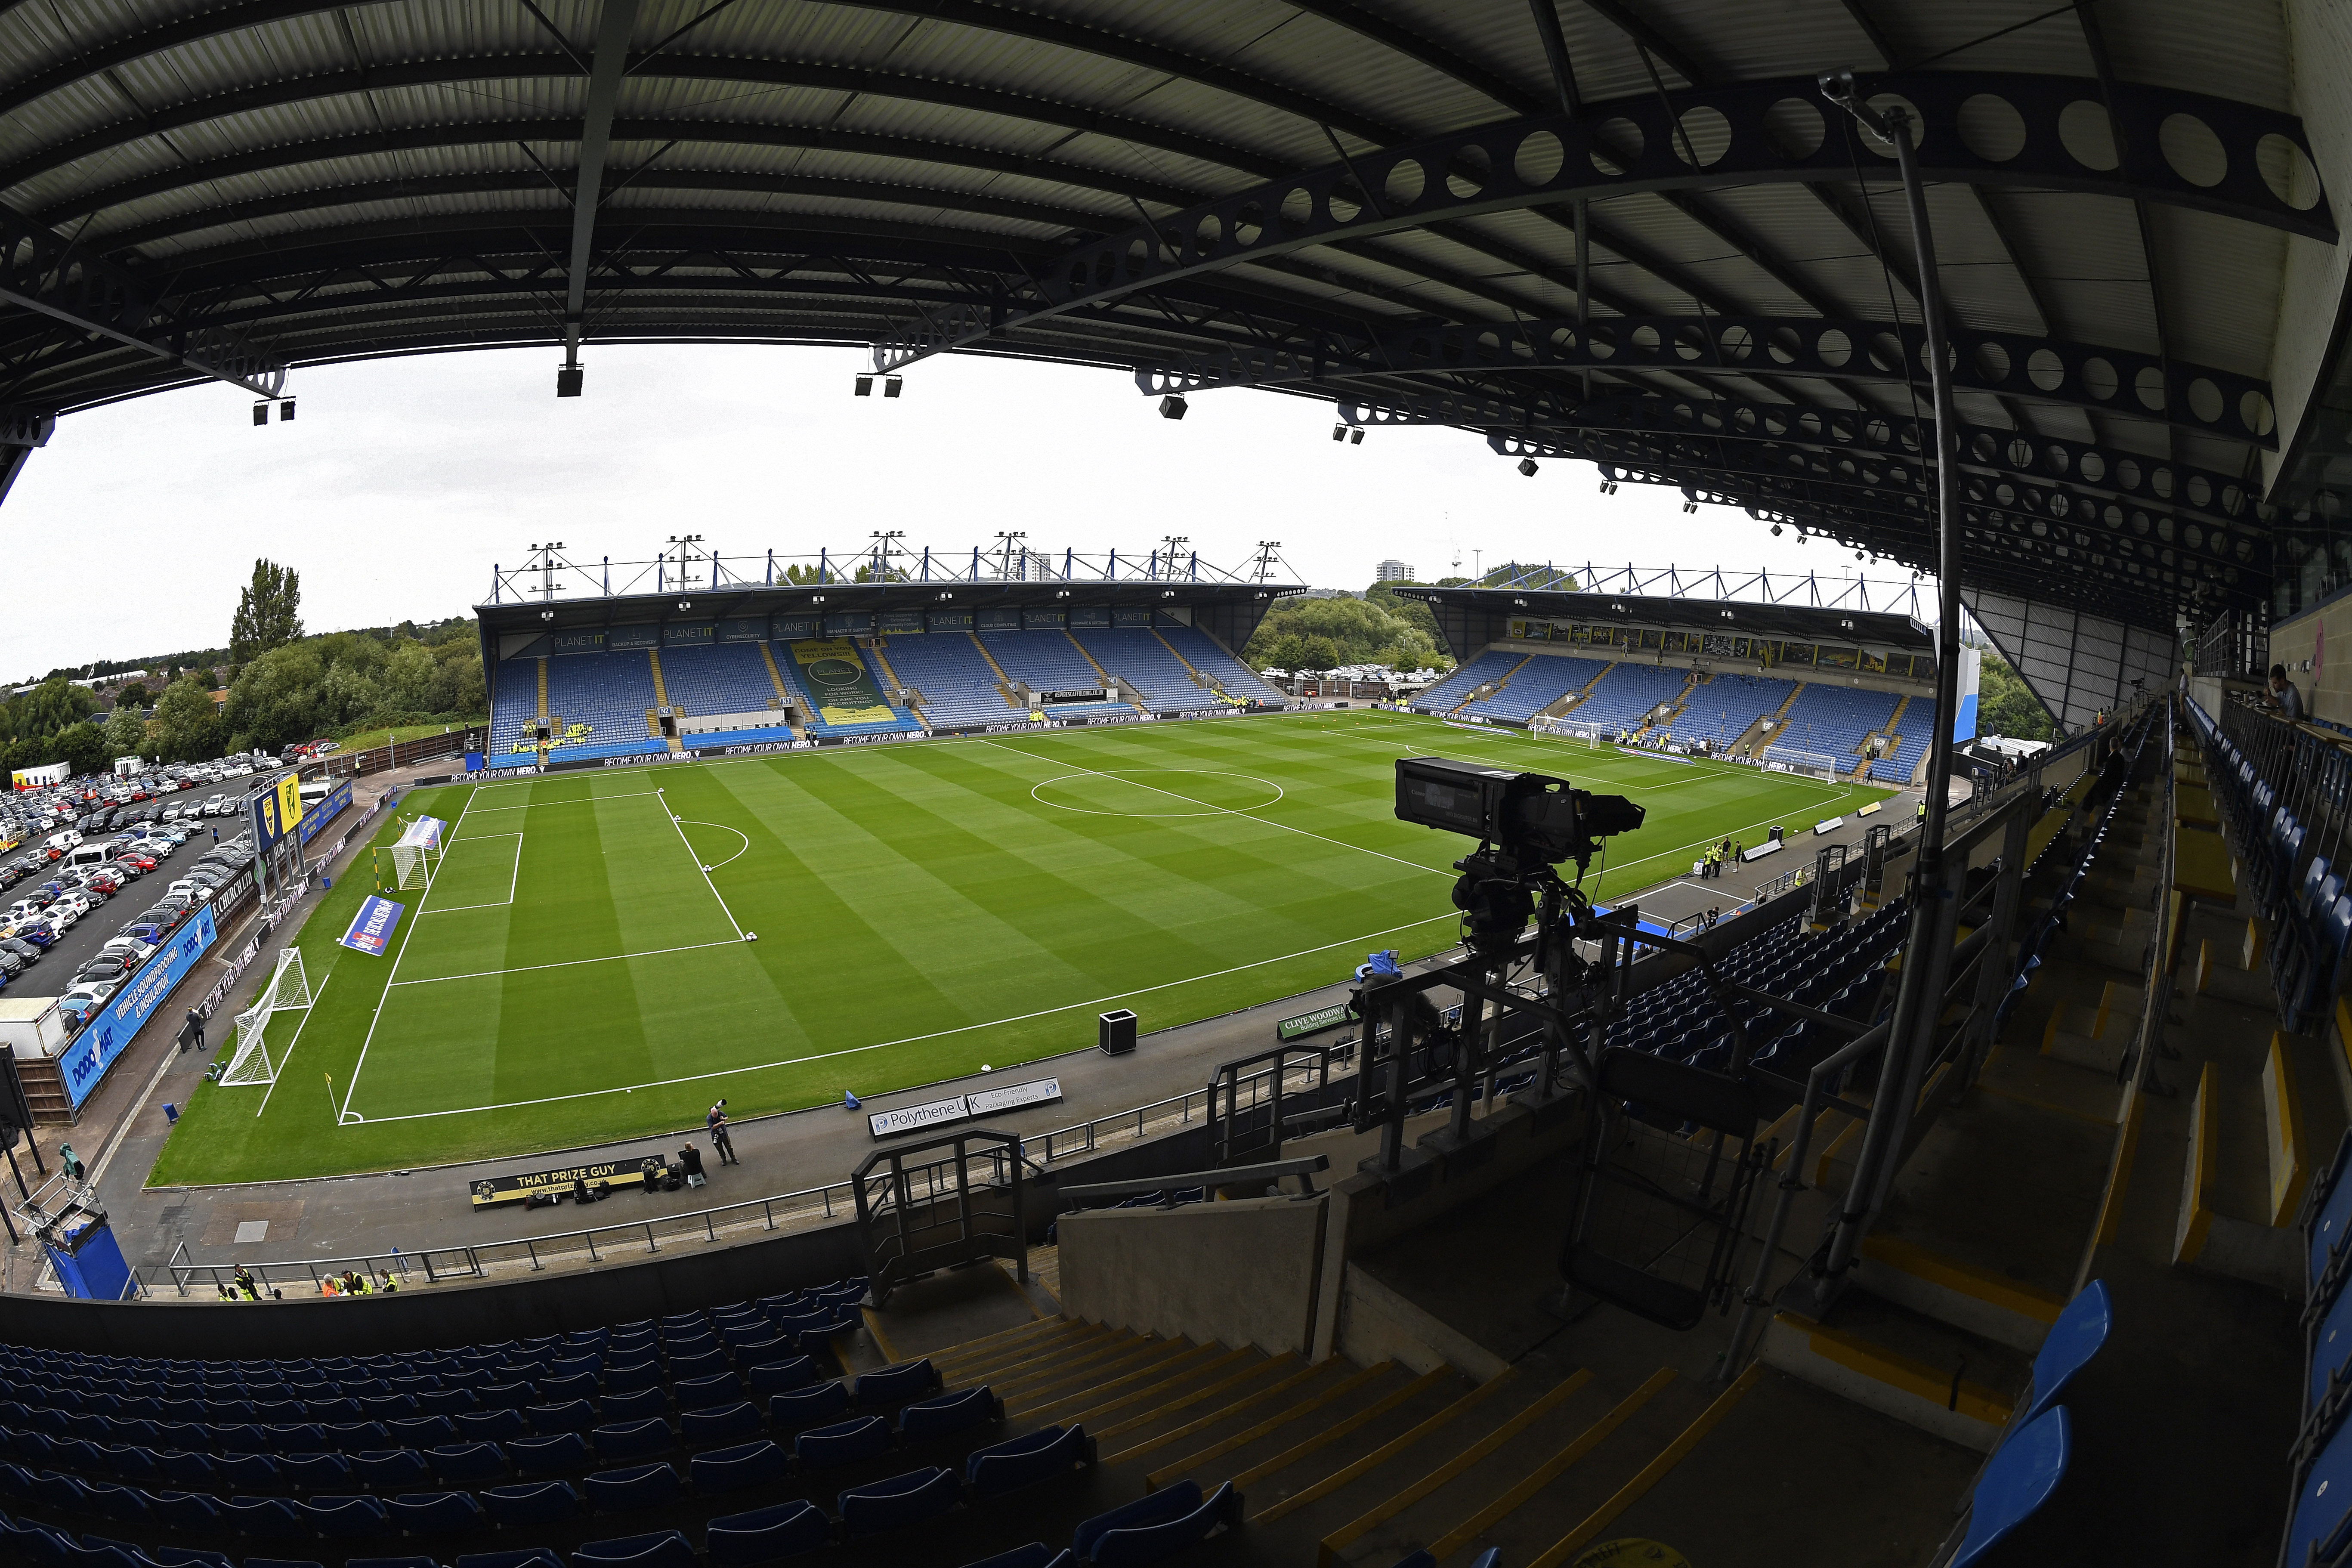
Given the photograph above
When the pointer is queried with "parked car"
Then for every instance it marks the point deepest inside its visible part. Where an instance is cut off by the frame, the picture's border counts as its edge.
(104, 969)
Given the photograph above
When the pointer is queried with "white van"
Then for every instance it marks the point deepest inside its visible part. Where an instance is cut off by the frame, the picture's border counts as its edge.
(62, 842)
(89, 854)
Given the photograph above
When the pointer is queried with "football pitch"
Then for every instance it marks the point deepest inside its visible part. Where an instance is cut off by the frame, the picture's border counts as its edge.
(577, 971)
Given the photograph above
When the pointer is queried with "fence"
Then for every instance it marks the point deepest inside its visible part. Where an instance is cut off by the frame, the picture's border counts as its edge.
(780, 1210)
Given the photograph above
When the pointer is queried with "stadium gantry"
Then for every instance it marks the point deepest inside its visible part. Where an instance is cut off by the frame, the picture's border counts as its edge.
(2034, 1209)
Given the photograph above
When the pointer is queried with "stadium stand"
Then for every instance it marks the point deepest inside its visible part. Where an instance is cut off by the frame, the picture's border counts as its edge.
(1720, 712)
(1918, 732)
(901, 722)
(957, 688)
(669, 1442)
(1455, 689)
(1835, 720)
(726, 678)
(610, 693)
(1145, 663)
(1626, 694)
(1538, 684)
(1197, 648)
(514, 704)
(1046, 661)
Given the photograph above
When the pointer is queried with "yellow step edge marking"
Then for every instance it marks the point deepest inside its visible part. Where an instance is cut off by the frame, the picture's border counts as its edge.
(1084, 1342)
(962, 1360)
(1960, 1277)
(2111, 1206)
(1834, 1147)
(1337, 1430)
(1077, 1389)
(1384, 1453)
(1551, 1470)
(1651, 1473)
(2026, 1100)
(874, 1326)
(1273, 1422)
(1122, 1356)
(1898, 1371)
(1203, 1423)
(1215, 1364)
(1076, 1357)
(1397, 1502)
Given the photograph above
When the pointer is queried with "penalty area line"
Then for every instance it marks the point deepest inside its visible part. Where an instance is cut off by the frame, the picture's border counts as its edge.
(910, 1039)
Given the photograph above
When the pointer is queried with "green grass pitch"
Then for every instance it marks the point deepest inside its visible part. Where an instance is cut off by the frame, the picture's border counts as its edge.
(573, 974)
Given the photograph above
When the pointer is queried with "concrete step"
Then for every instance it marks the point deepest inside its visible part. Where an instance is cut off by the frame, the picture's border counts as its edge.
(1886, 1357)
(2095, 1037)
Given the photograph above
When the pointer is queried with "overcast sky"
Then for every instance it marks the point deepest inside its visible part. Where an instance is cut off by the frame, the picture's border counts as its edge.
(402, 482)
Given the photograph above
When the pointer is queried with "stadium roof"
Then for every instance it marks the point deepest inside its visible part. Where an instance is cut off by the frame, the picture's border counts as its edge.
(1790, 621)
(1398, 205)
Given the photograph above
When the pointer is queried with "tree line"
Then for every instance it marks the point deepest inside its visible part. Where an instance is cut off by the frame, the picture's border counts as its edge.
(284, 688)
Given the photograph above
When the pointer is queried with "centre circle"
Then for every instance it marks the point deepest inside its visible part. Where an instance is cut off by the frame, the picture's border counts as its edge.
(1166, 790)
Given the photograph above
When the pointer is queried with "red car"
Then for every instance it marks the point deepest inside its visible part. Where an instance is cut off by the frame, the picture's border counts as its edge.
(139, 858)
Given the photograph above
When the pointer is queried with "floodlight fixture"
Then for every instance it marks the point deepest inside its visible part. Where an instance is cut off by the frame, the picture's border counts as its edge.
(865, 387)
(1776, 530)
(1172, 406)
(892, 385)
(1356, 437)
(1527, 466)
(569, 379)
(1339, 432)
(286, 411)
(261, 414)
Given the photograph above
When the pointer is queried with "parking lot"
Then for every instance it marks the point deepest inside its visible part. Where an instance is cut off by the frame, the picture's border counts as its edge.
(33, 883)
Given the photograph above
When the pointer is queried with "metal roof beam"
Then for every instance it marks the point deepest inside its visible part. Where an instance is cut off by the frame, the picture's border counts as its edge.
(1551, 158)
(2005, 364)
(613, 26)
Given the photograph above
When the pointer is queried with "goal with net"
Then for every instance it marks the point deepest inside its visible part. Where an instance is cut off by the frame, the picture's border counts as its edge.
(417, 852)
(254, 1060)
(1569, 729)
(1790, 759)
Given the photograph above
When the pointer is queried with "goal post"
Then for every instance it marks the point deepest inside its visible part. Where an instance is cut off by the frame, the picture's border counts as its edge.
(416, 854)
(1791, 760)
(1567, 729)
(250, 1060)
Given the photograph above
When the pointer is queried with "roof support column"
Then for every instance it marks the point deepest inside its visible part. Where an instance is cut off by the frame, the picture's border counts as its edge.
(605, 70)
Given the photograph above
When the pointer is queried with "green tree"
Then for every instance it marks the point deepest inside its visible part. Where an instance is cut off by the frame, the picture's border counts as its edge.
(134, 695)
(126, 732)
(268, 612)
(83, 747)
(2006, 705)
(1321, 653)
(187, 727)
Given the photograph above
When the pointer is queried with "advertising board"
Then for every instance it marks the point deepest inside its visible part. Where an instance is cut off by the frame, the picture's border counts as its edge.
(110, 1031)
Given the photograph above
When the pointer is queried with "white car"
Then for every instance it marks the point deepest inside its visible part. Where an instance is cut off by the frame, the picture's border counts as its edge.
(93, 991)
(21, 910)
(129, 948)
(190, 888)
(61, 916)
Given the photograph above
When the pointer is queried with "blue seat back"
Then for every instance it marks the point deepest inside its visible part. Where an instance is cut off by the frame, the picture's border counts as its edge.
(2017, 1482)
(899, 1501)
(2077, 1335)
(765, 1534)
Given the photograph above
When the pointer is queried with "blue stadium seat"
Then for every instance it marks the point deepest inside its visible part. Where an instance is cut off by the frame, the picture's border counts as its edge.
(808, 1406)
(493, 1425)
(184, 1511)
(468, 1462)
(1028, 1458)
(639, 1486)
(1157, 1526)
(2077, 1338)
(2018, 1481)
(703, 1393)
(662, 1549)
(898, 1502)
(533, 1502)
(571, 1415)
(1037, 1555)
(263, 1518)
(767, 1535)
(895, 1385)
(563, 1451)
(645, 1404)
(732, 1469)
(781, 1376)
(345, 1518)
(741, 1419)
(949, 1413)
(435, 1514)
(526, 1557)
(842, 1444)
(633, 1440)
(702, 1359)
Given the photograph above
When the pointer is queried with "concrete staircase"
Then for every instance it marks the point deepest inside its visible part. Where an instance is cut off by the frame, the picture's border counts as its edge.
(1758, 735)
(1199, 677)
(1556, 709)
(783, 698)
(661, 700)
(1003, 681)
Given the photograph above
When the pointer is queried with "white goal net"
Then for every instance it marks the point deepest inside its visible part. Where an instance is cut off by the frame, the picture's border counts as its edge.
(1790, 759)
(1569, 729)
(288, 990)
(417, 852)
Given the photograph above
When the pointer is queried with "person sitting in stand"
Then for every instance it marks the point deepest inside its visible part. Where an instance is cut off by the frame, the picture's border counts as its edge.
(353, 1285)
(690, 1160)
(389, 1284)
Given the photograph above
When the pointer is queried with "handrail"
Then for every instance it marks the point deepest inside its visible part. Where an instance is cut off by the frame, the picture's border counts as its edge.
(778, 1211)
(1235, 1176)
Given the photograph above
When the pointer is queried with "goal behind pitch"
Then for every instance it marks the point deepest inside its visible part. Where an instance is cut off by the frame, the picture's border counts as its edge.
(1812, 764)
(417, 852)
(1567, 729)
(288, 990)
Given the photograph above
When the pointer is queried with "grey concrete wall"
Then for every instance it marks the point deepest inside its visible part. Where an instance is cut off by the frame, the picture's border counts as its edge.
(1245, 1273)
